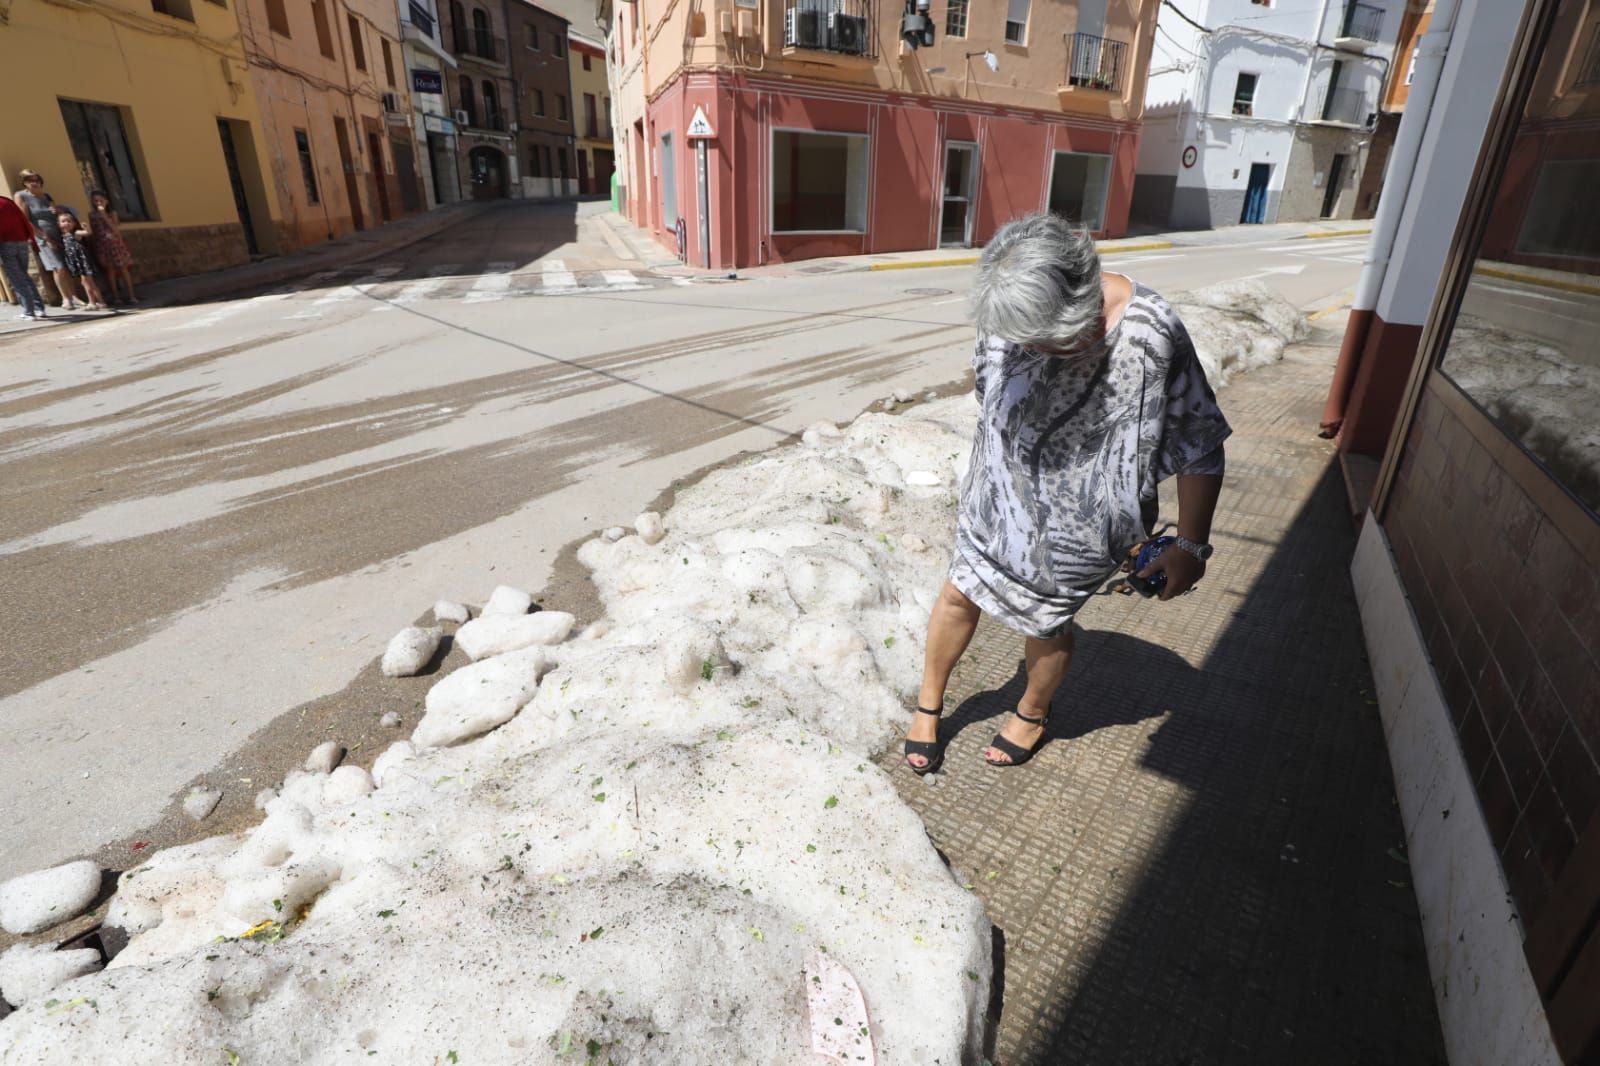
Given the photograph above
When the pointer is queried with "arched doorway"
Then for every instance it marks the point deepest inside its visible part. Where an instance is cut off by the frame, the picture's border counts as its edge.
(488, 170)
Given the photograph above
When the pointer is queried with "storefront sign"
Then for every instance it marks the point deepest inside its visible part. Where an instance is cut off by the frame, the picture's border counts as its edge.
(427, 81)
(438, 124)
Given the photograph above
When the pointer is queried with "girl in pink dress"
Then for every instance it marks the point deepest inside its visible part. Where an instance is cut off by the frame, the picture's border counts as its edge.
(105, 237)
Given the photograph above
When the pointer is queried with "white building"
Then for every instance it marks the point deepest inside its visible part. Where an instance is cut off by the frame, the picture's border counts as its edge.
(1261, 110)
(427, 65)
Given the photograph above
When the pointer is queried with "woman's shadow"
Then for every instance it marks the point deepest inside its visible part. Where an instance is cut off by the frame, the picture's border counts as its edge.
(1114, 680)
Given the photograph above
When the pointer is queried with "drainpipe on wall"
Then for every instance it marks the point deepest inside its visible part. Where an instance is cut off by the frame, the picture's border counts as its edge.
(1395, 195)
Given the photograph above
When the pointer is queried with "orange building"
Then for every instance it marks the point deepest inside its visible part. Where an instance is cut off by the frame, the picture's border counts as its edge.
(335, 104)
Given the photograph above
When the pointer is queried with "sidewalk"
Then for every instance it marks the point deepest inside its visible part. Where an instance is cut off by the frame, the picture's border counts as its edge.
(1205, 863)
(658, 258)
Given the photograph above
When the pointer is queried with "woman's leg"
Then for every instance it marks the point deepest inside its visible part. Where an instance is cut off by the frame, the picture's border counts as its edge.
(950, 627)
(1047, 665)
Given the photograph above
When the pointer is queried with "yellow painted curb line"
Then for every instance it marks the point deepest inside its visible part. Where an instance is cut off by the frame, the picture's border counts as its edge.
(1143, 246)
(968, 260)
(912, 264)
(1535, 279)
(1326, 311)
(1324, 234)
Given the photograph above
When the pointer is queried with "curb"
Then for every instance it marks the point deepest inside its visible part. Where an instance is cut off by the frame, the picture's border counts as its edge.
(291, 271)
(1320, 235)
(1535, 279)
(968, 260)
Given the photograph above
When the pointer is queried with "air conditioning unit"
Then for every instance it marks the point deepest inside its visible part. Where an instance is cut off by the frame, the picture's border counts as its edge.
(391, 102)
(802, 29)
(847, 33)
(463, 119)
(747, 23)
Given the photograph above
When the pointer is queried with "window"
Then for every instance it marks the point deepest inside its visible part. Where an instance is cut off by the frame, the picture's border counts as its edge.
(1589, 69)
(561, 159)
(1078, 187)
(1244, 94)
(465, 98)
(591, 125)
(955, 18)
(308, 169)
(535, 165)
(277, 18)
(557, 47)
(532, 33)
(491, 106)
(538, 102)
(458, 27)
(319, 16)
(819, 182)
(357, 51)
(1017, 21)
(178, 9)
(1411, 67)
(668, 185)
(1522, 343)
(388, 62)
(561, 107)
(100, 145)
(482, 38)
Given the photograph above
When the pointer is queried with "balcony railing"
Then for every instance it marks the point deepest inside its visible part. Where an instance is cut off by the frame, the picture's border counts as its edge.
(1347, 107)
(843, 27)
(420, 17)
(469, 42)
(1096, 62)
(1362, 22)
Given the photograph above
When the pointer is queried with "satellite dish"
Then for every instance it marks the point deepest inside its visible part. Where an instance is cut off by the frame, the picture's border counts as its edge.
(991, 61)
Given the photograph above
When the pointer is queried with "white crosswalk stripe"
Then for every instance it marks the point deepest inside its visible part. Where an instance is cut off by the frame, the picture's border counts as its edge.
(424, 287)
(620, 280)
(557, 278)
(494, 285)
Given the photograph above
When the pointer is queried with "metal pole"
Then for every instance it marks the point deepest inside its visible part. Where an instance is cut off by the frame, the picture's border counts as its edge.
(705, 203)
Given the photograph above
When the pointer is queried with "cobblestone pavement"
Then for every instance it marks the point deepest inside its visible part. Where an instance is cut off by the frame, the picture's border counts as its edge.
(1205, 863)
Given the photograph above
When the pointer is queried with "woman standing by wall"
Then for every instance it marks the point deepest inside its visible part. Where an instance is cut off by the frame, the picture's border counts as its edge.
(41, 211)
(110, 250)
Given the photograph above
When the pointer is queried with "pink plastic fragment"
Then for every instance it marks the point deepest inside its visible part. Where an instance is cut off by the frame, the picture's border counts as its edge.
(838, 1015)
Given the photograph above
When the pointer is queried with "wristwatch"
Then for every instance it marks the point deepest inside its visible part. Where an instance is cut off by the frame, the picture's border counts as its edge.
(1199, 551)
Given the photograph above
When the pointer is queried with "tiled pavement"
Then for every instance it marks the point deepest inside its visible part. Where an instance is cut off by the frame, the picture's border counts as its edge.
(1205, 863)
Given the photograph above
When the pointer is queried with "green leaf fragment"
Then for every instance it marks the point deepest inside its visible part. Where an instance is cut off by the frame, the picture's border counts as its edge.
(599, 797)
(831, 802)
(811, 847)
(757, 934)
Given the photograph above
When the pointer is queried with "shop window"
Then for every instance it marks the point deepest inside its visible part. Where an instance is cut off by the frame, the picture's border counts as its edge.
(1078, 185)
(277, 18)
(955, 18)
(819, 182)
(1244, 94)
(1522, 343)
(358, 50)
(308, 169)
(100, 145)
(1017, 21)
(535, 163)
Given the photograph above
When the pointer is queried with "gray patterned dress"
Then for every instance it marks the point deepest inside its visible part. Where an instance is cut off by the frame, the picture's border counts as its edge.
(1068, 454)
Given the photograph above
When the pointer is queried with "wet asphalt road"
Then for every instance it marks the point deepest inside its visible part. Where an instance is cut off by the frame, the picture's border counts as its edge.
(215, 516)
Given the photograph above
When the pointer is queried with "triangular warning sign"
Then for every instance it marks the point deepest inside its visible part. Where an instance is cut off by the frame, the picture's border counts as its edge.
(700, 126)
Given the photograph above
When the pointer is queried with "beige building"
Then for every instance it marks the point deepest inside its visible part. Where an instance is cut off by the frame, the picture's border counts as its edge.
(152, 101)
(335, 102)
(591, 119)
(830, 135)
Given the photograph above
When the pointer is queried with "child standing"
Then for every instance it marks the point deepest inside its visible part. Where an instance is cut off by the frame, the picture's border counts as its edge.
(77, 258)
(110, 250)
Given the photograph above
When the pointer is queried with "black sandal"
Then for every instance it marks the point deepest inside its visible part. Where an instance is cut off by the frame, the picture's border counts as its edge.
(1018, 755)
(932, 750)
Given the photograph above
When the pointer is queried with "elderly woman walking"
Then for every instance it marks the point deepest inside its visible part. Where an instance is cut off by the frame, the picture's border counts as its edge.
(1090, 395)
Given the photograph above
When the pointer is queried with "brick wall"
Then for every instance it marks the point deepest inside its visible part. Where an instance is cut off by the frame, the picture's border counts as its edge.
(1504, 576)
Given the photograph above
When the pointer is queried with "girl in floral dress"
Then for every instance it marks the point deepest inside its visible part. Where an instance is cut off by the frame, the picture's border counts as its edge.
(77, 257)
(110, 250)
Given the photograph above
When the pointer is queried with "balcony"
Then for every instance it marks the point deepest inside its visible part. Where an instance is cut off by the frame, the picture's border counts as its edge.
(420, 17)
(1096, 62)
(839, 27)
(474, 44)
(1345, 107)
(1361, 26)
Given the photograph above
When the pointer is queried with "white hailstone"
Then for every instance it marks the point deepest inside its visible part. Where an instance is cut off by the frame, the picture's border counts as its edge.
(508, 600)
(650, 527)
(44, 898)
(450, 611)
(200, 802)
(324, 757)
(410, 649)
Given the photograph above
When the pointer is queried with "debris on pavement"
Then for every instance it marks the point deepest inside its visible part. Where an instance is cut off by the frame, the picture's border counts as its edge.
(200, 802)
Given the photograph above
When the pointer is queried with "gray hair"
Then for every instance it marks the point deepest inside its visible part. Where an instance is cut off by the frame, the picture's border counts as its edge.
(1038, 282)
